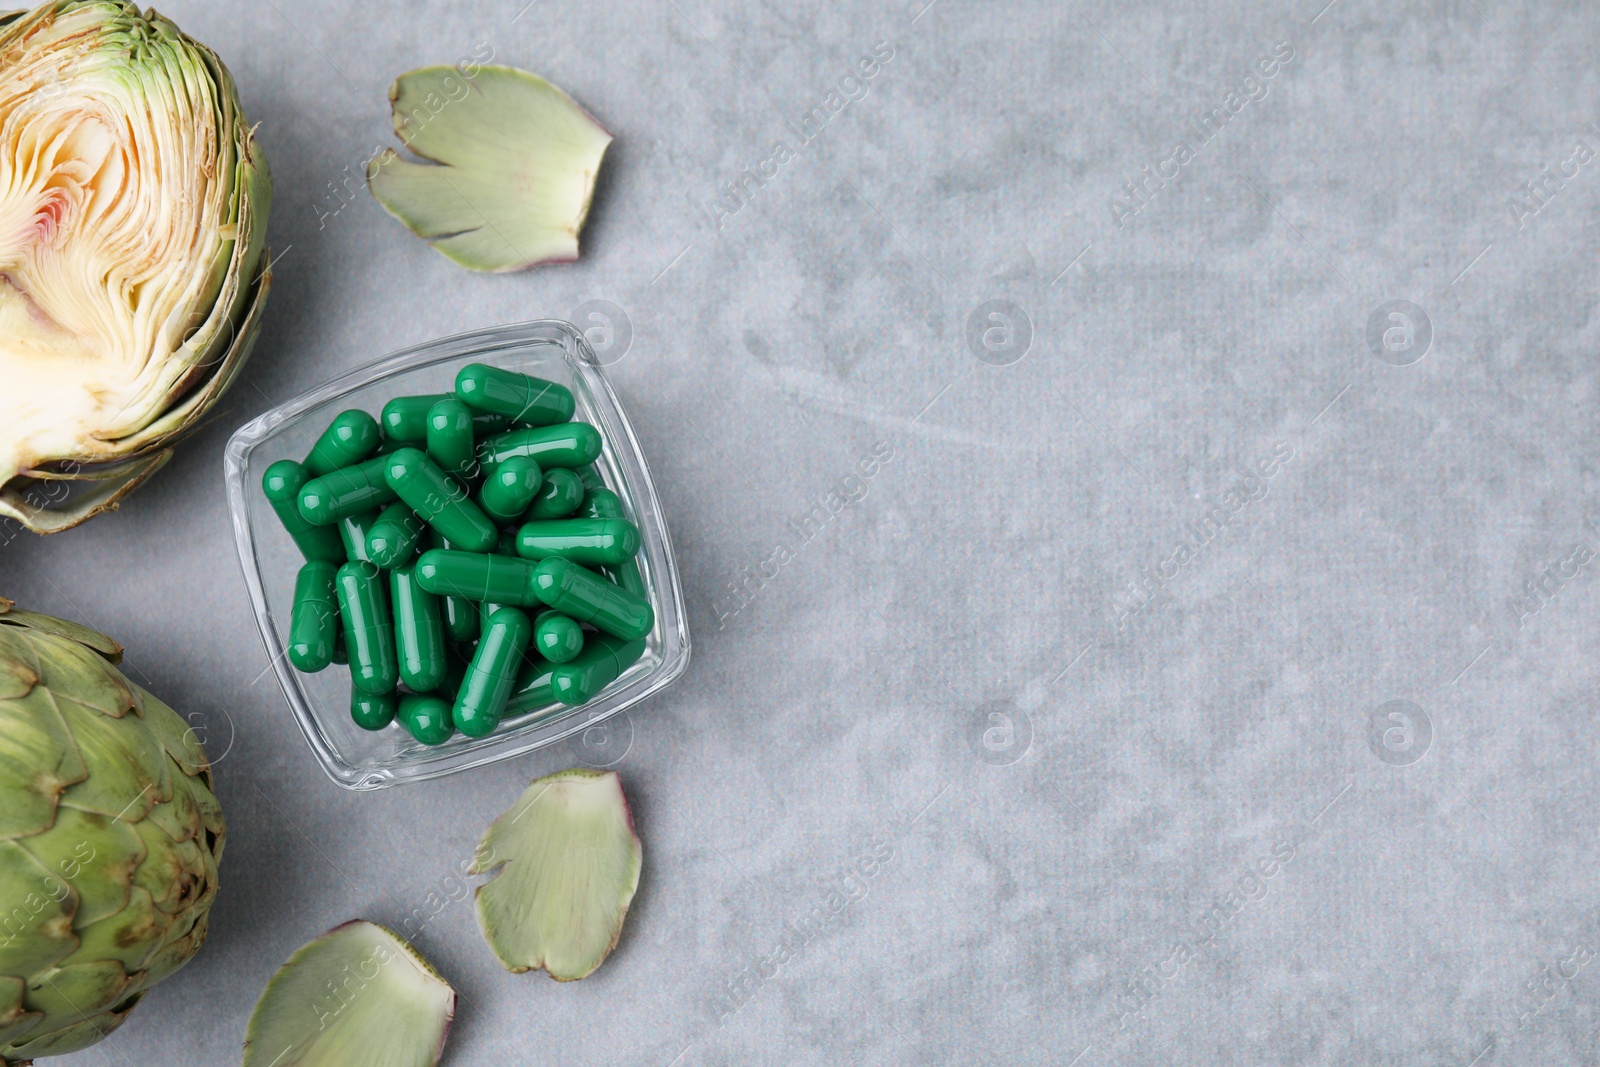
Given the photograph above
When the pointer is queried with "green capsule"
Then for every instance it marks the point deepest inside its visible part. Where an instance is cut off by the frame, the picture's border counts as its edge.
(439, 500)
(507, 492)
(557, 637)
(426, 718)
(314, 619)
(626, 575)
(590, 478)
(587, 541)
(560, 496)
(460, 614)
(600, 663)
(460, 618)
(373, 711)
(485, 609)
(353, 532)
(571, 444)
(392, 540)
(282, 484)
(587, 597)
(477, 576)
(346, 491)
(450, 442)
(602, 503)
(534, 688)
(525, 399)
(368, 627)
(418, 631)
(351, 437)
(456, 659)
(484, 692)
(405, 419)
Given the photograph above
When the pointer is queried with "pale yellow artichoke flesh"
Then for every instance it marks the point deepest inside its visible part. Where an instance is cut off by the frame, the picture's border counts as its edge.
(133, 206)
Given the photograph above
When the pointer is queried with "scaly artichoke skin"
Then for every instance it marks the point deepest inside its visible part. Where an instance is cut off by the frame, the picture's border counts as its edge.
(133, 262)
(110, 836)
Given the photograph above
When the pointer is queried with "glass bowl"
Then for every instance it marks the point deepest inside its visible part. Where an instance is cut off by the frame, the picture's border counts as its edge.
(361, 759)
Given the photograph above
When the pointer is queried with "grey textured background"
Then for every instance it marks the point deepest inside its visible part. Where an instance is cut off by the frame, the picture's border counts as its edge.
(1046, 864)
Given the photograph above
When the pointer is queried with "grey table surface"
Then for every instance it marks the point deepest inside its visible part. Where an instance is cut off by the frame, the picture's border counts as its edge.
(1070, 738)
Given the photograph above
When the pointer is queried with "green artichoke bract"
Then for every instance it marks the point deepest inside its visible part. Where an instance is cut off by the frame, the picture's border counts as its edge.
(566, 865)
(109, 838)
(133, 219)
(358, 996)
(513, 162)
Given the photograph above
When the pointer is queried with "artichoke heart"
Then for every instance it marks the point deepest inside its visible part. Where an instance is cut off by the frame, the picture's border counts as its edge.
(133, 210)
(566, 863)
(513, 163)
(358, 996)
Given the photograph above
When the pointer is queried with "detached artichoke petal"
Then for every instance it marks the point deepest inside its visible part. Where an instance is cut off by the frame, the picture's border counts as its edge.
(568, 866)
(358, 996)
(515, 161)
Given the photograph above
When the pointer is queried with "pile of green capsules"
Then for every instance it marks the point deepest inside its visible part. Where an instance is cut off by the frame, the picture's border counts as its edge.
(527, 592)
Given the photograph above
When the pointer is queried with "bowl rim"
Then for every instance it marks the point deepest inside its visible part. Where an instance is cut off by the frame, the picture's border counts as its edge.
(494, 748)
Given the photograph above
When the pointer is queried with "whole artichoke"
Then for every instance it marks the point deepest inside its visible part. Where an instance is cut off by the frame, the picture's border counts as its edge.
(109, 838)
(133, 271)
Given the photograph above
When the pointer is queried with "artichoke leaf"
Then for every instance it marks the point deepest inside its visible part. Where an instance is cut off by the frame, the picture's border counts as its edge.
(38, 762)
(19, 667)
(176, 736)
(36, 927)
(72, 631)
(131, 773)
(567, 862)
(130, 937)
(79, 988)
(67, 666)
(15, 1020)
(42, 514)
(512, 171)
(77, 1035)
(179, 949)
(358, 996)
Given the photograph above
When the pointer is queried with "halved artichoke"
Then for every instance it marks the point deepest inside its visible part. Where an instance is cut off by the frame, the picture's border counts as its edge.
(133, 212)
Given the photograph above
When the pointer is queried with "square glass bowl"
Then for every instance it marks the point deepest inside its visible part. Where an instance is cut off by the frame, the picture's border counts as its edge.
(361, 759)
